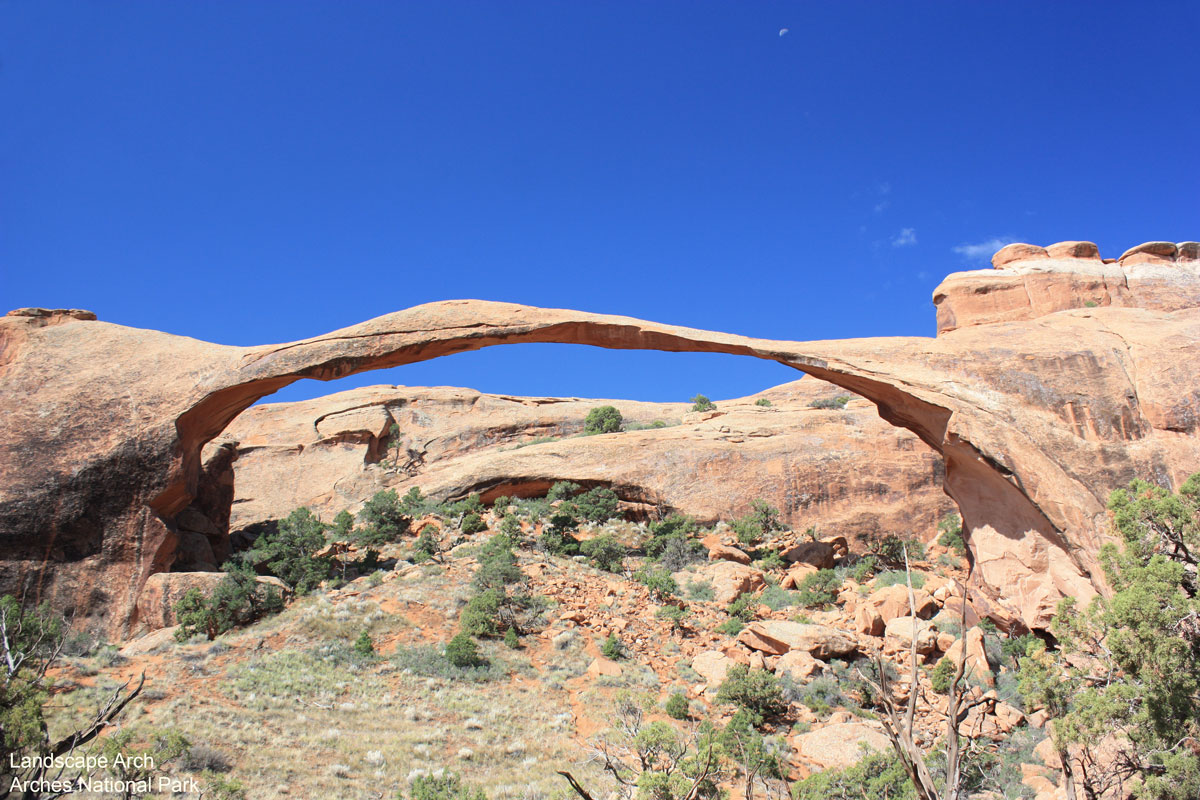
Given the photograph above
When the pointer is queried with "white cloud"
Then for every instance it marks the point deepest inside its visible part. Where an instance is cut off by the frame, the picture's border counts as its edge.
(881, 205)
(906, 237)
(974, 252)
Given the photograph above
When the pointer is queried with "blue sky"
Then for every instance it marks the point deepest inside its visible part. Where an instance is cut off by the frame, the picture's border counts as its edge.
(257, 172)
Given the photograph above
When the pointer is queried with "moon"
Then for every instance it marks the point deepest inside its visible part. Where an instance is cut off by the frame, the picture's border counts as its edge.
(783, 31)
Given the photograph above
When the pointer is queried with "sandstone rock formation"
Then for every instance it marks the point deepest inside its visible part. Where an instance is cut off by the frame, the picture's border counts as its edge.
(1029, 281)
(102, 426)
(845, 471)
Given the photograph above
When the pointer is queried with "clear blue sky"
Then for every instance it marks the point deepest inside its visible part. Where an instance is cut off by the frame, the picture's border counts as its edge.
(256, 172)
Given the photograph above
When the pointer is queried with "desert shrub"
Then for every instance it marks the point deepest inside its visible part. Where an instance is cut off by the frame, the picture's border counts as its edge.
(427, 547)
(203, 757)
(702, 403)
(472, 523)
(497, 565)
(942, 675)
(481, 616)
(818, 589)
(239, 599)
(562, 490)
(612, 648)
(364, 646)
(604, 419)
(762, 519)
(558, 541)
(500, 506)
(511, 640)
(700, 590)
(762, 401)
(898, 578)
(755, 690)
(443, 787)
(890, 550)
(730, 627)
(660, 583)
(471, 504)
(384, 519)
(831, 403)
(821, 695)
(876, 776)
(343, 527)
(777, 599)
(862, 570)
(605, 552)
(675, 615)
(288, 552)
(431, 661)
(769, 559)
(462, 652)
(677, 706)
(597, 505)
(950, 534)
(742, 607)
(510, 526)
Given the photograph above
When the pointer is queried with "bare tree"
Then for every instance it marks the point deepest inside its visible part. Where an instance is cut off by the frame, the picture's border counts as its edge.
(900, 721)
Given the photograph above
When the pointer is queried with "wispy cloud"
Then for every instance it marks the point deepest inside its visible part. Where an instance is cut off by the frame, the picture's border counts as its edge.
(906, 237)
(978, 250)
(881, 205)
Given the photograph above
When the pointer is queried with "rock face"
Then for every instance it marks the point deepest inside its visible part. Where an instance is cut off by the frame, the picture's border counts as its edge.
(776, 637)
(839, 746)
(846, 471)
(1029, 281)
(102, 426)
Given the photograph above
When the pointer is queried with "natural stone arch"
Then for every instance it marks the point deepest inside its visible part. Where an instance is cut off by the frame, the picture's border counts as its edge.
(157, 399)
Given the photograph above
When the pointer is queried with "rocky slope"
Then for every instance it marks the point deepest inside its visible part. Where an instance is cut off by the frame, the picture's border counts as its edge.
(845, 471)
(1035, 419)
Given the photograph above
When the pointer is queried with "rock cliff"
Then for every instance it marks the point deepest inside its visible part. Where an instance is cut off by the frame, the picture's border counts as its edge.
(845, 471)
(102, 426)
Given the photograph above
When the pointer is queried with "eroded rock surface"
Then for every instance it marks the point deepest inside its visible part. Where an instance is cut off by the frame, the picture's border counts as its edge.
(102, 426)
(845, 472)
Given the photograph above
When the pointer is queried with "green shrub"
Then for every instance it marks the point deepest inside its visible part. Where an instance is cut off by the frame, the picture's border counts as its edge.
(605, 552)
(700, 590)
(876, 776)
(497, 565)
(950, 530)
(660, 583)
(471, 504)
(442, 787)
(776, 598)
(675, 615)
(821, 695)
(770, 560)
(510, 526)
(462, 652)
(942, 675)
(427, 546)
(500, 506)
(677, 706)
(762, 401)
(558, 541)
(891, 548)
(863, 569)
(343, 526)
(762, 519)
(289, 552)
(364, 646)
(754, 690)
(431, 661)
(818, 589)
(604, 419)
(239, 599)
(612, 648)
(743, 607)
(898, 578)
(385, 520)
(671, 544)
(596, 505)
(562, 490)
(731, 627)
(831, 403)
(702, 403)
(511, 640)
(472, 522)
(481, 615)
